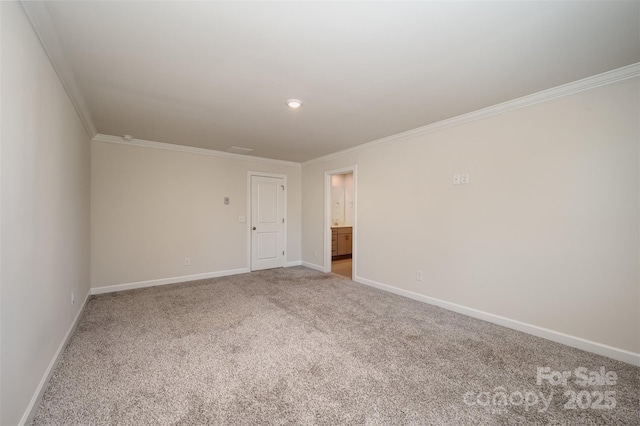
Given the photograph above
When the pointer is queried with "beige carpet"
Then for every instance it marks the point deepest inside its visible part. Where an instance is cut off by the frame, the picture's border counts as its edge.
(294, 346)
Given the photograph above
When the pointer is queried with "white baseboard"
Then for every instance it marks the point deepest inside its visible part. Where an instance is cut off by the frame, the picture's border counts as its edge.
(37, 396)
(313, 266)
(555, 336)
(164, 281)
(294, 263)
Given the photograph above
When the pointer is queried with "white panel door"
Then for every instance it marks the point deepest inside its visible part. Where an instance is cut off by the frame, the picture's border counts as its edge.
(267, 222)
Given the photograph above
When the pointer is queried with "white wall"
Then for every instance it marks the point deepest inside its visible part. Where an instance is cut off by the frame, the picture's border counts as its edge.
(349, 206)
(545, 233)
(342, 206)
(151, 208)
(45, 214)
(337, 200)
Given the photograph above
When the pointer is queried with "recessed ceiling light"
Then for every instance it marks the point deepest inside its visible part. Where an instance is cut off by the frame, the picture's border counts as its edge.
(294, 103)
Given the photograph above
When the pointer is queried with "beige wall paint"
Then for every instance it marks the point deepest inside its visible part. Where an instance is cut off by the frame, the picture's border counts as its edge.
(45, 213)
(151, 208)
(546, 232)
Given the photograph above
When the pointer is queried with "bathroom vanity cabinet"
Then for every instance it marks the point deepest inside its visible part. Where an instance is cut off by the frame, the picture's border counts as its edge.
(341, 240)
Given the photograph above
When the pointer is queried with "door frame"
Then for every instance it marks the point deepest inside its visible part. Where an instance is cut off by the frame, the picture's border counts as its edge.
(250, 174)
(327, 217)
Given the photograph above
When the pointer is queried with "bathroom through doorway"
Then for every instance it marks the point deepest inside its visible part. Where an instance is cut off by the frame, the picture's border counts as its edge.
(340, 221)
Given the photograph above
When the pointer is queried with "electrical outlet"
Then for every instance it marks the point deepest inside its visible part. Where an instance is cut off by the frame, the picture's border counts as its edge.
(315, 253)
(464, 178)
(73, 298)
(187, 261)
(456, 179)
(418, 275)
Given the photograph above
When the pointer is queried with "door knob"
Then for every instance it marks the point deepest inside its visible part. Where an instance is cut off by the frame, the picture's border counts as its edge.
(254, 228)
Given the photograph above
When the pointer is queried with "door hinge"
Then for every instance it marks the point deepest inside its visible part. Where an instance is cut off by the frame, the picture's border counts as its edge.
(283, 252)
(282, 187)
(283, 220)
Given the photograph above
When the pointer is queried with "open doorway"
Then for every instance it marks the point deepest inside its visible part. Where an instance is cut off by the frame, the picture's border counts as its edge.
(340, 221)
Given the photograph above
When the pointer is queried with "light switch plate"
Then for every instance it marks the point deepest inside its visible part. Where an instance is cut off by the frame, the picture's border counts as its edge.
(464, 178)
(456, 179)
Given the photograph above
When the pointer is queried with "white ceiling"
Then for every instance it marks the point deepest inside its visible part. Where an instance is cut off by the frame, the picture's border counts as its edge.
(217, 74)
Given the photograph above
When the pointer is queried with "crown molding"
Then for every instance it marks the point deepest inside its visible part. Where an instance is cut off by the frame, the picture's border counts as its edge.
(598, 80)
(192, 150)
(38, 14)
